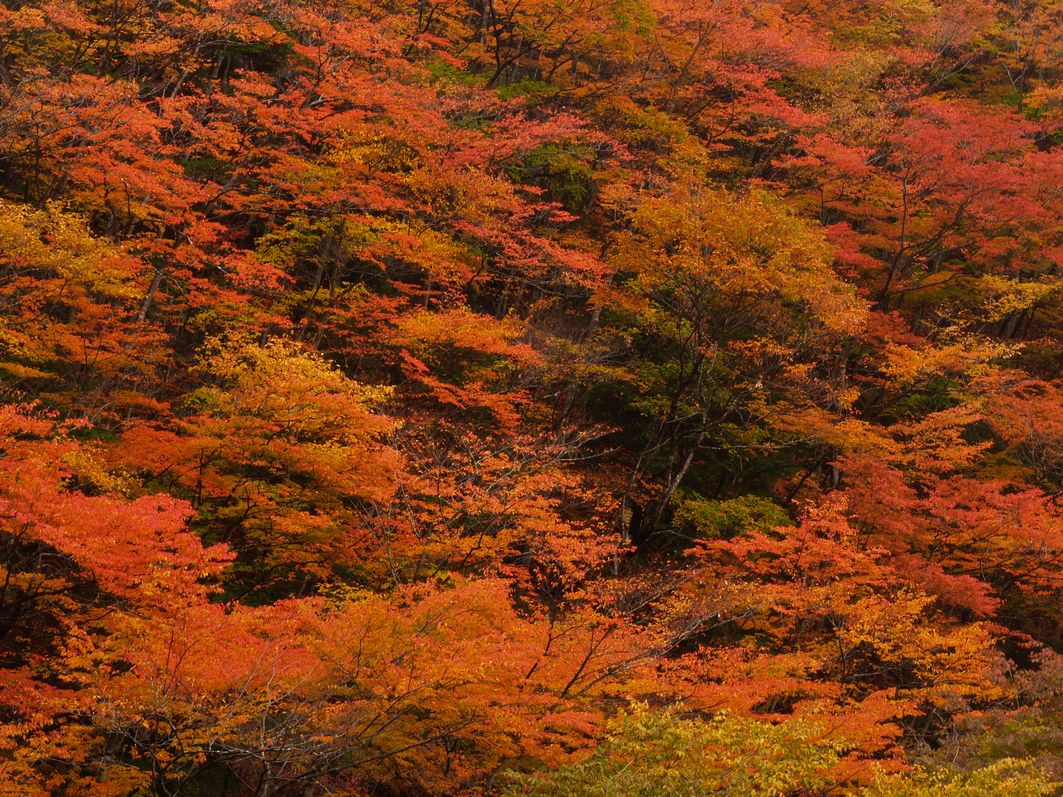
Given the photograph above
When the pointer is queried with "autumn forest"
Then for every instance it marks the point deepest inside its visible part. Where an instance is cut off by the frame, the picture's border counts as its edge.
(557, 398)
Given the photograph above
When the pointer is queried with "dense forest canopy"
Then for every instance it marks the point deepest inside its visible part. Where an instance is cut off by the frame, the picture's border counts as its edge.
(526, 397)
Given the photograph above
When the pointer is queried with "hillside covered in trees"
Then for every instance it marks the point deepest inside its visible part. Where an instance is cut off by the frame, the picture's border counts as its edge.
(531, 397)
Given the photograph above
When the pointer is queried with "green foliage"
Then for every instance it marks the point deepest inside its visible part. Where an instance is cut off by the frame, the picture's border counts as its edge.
(1009, 777)
(708, 518)
(527, 88)
(563, 170)
(652, 753)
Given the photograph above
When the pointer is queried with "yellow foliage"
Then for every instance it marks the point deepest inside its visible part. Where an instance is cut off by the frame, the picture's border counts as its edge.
(58, 242)
(727, 249)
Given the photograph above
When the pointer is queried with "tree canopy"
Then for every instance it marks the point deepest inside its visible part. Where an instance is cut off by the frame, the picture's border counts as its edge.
(516, 397)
